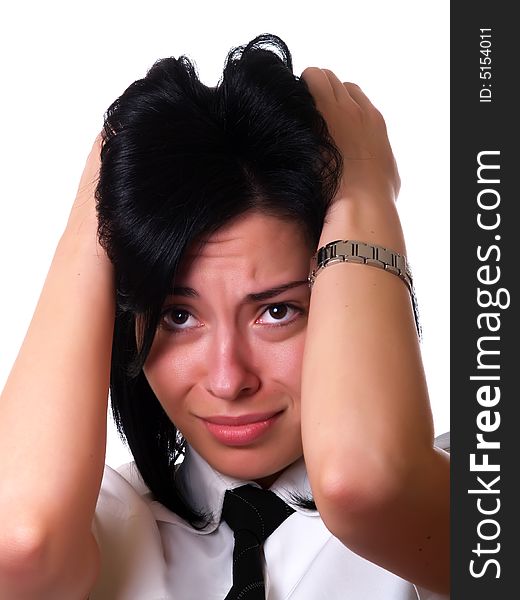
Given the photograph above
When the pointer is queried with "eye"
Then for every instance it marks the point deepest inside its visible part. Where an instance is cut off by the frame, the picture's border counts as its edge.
(279, 314)
(178, 319)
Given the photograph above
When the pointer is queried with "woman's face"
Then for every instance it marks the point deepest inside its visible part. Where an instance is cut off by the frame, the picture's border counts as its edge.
(226, 360)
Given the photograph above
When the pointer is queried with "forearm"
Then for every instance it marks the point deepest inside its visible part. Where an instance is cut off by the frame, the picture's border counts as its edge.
(366, 419)
(53, 408)
(363, 389)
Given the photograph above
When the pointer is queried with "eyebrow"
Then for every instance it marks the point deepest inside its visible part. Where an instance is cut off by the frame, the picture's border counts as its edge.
(254, 297)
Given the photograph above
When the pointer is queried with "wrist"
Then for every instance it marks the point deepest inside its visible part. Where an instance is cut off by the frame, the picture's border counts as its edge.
(373, 255)
(362, 218)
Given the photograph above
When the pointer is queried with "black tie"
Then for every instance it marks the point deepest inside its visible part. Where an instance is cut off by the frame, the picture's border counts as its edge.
(253, 514)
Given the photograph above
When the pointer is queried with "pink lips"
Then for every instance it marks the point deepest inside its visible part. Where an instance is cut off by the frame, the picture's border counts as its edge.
(241, 430)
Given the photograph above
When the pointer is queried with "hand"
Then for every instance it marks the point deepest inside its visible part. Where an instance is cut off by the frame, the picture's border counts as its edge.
(82, 220)
(364, 205)
(359, 131)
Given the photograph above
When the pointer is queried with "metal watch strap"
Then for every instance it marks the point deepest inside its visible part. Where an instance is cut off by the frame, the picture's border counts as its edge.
(369, 254)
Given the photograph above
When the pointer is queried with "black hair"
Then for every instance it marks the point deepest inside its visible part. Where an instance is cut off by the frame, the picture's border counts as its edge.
(180, 160)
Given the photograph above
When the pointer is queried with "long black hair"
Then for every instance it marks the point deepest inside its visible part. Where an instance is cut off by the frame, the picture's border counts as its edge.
(180, 160)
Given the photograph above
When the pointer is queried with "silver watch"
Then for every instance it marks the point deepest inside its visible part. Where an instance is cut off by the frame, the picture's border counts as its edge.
(368, 254)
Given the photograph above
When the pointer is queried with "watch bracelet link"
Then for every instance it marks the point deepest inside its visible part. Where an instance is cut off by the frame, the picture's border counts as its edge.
(354, 251)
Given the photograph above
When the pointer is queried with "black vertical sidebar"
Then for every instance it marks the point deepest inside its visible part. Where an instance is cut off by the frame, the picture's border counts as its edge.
(485, 267)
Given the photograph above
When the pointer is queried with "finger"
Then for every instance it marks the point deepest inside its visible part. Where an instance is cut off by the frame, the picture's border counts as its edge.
(340, 92)
(357, 94)
(318, 83)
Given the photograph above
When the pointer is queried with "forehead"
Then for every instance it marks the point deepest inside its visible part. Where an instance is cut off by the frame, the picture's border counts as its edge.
(255, 246)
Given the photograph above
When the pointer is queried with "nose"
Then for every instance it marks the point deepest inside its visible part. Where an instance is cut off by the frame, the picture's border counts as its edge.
(230, 370)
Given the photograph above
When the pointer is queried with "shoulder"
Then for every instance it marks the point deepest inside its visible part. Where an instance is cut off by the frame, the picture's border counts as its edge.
(127, 535)
(121, 499)
(123, 485)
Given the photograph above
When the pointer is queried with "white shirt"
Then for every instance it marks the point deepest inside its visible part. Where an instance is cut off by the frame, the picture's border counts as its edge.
(149, 553)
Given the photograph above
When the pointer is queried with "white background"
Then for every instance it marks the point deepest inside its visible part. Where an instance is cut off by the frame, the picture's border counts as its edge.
(62, 64)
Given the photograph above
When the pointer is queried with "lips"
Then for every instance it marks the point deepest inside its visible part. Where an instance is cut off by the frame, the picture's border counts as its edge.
(242, 419)
(240, 430)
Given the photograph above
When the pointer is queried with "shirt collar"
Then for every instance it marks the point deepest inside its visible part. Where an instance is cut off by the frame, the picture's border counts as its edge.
(204, 488)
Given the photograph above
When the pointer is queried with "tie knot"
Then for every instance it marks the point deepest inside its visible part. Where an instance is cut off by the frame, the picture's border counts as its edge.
(255, 510)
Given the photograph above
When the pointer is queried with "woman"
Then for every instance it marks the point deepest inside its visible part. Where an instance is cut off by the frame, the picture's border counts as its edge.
(188, 291)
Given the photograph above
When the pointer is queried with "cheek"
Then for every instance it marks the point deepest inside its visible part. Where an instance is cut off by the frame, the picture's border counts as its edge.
(170, 373)
(283, 362)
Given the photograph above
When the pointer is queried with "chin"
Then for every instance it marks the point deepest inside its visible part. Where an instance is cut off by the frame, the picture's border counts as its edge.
(253, 463)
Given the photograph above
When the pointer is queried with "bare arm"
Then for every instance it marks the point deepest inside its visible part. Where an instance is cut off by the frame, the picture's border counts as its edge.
(367, 427)
(53, 418)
